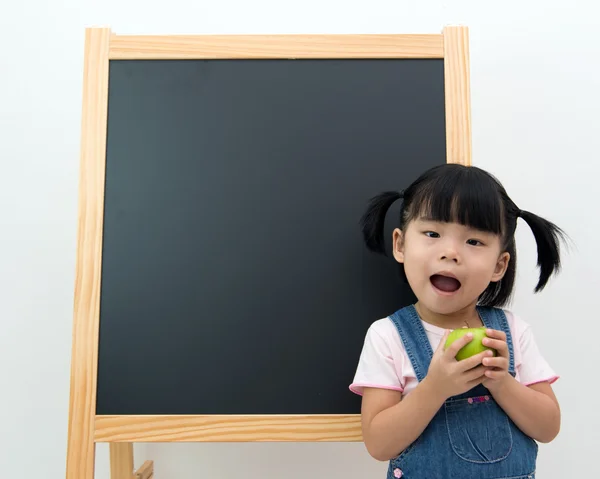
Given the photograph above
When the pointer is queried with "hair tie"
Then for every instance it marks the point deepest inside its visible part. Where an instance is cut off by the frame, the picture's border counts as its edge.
(519, 213)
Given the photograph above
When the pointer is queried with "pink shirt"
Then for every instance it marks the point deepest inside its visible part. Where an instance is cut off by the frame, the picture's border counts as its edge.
(384, 363)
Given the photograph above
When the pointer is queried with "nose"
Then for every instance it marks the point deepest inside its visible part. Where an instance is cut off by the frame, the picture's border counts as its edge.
(450, 257)
(449, 253)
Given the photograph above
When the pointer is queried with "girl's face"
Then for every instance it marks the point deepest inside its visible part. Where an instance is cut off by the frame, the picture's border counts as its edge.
(448, 265)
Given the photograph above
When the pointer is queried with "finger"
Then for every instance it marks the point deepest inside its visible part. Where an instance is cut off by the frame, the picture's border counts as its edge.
(475, 373)
(475, 382)
(442, 345)
(495, 334)
(457, 345)
(496, 344)
(497, 362)
(440, 349)
(495, 374)
(470, 363)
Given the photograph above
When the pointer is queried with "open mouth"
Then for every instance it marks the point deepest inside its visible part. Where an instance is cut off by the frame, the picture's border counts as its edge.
(447, 284)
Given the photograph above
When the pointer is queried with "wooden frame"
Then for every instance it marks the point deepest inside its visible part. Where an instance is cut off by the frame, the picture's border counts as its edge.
(85, 428)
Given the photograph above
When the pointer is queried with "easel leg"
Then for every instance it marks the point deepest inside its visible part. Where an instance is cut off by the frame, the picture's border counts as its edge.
(121, 463)
(81, 448)
(121, 460)
(81, 456)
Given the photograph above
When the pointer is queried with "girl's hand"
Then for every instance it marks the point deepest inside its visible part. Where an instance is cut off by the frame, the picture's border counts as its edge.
(450, 377)
(496, 368)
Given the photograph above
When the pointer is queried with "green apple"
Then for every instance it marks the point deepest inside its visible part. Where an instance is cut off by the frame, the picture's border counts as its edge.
(473, 347)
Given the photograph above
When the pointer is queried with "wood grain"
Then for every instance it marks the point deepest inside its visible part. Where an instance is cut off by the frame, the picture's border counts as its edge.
(84, 355)
(228, 428)
(458, 95)
(121, 460)
(130, 47)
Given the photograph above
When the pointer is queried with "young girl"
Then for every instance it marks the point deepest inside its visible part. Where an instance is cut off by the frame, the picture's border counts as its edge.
(428, 414)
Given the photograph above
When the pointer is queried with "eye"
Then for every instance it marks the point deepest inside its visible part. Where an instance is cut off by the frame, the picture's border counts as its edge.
(431, 234)
(474, 242)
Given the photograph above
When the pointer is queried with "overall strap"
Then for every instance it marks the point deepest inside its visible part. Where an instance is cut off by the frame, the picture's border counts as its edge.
(494, 318)
(414, 338)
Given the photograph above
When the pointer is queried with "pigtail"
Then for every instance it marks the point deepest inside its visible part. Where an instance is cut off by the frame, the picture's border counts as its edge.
(547, 236)
(373, 220)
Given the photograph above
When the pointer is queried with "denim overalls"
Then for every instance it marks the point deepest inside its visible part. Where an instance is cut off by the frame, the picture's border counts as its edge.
(470, 437)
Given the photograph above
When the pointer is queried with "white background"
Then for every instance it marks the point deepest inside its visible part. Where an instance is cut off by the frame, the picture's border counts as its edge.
(535, 103)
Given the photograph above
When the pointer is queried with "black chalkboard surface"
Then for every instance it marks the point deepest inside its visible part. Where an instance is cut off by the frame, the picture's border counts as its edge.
(234, 276)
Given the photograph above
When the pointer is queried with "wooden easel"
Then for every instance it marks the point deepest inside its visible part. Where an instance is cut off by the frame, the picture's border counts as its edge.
(85, 427)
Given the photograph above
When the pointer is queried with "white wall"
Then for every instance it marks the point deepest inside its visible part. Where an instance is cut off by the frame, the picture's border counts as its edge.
(536, 104)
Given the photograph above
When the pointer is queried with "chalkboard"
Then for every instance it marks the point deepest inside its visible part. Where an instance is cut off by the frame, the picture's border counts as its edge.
(223, 290)
(232, 255)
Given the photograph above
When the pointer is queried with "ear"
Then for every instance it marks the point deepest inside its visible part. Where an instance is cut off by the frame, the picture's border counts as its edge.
(398, 245)
(501, 266)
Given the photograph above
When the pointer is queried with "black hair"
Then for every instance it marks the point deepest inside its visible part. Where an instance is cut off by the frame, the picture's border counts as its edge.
(472, 197)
